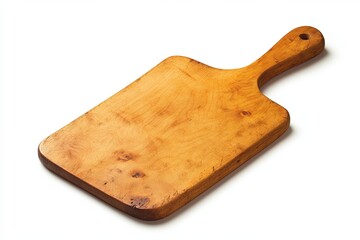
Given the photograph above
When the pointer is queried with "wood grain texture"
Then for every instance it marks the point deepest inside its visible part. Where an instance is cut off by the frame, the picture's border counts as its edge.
(177, 130)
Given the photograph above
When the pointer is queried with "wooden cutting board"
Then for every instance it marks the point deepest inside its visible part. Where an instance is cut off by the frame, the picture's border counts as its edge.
(176, 131)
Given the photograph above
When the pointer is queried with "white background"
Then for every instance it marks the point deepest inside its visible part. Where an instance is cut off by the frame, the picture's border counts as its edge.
(61, 58)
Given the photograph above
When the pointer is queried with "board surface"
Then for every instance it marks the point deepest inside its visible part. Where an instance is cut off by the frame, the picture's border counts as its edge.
(175, 131)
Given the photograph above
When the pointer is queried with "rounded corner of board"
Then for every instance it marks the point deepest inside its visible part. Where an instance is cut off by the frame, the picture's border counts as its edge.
(43, 159)
(149, 214)
(287, 116)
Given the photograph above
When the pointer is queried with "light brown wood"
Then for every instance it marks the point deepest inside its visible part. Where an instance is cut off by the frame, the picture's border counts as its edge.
(176, 131)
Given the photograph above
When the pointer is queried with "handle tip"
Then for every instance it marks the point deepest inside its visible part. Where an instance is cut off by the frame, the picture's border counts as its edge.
(307, 38)
(296, 47)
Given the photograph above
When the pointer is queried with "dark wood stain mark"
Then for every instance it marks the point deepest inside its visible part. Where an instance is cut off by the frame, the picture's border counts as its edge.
(137, 174)
(242, 113)
(245, 113)
(138, 202)
(186, 73)
(124, 156)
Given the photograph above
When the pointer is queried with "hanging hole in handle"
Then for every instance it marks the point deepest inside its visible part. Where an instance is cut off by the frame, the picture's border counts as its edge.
(304, 36)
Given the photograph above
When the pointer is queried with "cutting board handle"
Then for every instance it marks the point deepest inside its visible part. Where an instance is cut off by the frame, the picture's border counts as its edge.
(296, 47)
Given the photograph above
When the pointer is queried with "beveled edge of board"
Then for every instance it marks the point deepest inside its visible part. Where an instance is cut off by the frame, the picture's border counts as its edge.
(158, 213)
